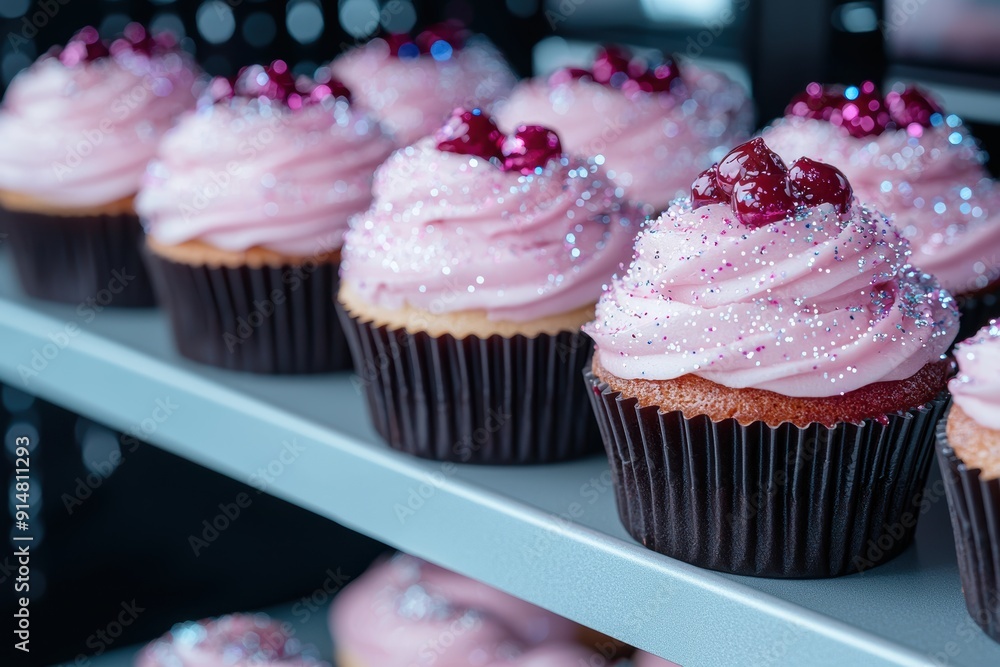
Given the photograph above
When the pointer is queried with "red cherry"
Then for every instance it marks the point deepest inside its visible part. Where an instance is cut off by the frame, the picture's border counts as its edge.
(762, 198)
(658, 79)
(816, 101)
(815, 183)
(85, 46)
(452, 32)
(531, 147)
(567, 74)
(705, 189)
(746, 160)
(401, 45)
(471, 132)
(912, 105)
(865, 115)
(611, 65)
(274, 82)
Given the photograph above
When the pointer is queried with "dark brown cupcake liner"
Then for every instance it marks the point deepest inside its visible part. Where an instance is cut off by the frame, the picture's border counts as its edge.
(496, 400)
(270, 319)
(94, 260)
(766, 501)
(974, 505)
(976, 311)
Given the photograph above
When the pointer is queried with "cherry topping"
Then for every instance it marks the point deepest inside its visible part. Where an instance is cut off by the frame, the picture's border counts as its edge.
(611, 60)
(816, 101)
(531, 147)
(910, 106)
(761, 190)
(763, 198)
(862, 114)
(274, 81)
(438, 40)
(705, 190)
(817, 183)
(471, 132)
(401, 45)
(452, 33)
(658, 79)
(860, 109)
(615, 66)
(85, 46)
(747, 160)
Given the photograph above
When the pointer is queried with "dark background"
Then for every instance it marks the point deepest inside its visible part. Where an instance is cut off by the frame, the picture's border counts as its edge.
(129, 537)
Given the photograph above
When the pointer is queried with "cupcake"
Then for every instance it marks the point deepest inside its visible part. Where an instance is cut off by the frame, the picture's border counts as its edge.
(76, 131)
(768, 374)
(969, 454)
(643, 659)
(404, 611)
(918, 165)
(413, 83)
(464, 287)
(239, 640)
(245, 208)
(653, 124)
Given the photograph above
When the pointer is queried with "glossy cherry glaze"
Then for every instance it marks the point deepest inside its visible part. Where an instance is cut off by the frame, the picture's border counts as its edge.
(862, 111)
(761, 190)
(473, 132)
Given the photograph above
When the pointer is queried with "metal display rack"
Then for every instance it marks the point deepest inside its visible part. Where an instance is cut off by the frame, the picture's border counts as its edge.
(547, 534)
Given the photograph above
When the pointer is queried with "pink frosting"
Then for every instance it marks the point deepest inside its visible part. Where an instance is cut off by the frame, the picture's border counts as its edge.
(240, 640)
(650, 143)
(451, 232)
(404, 611)
(412, 97)
(976, 388)
(933, 185)
(247, 172)
(643, 659)
(811, 306)
(82, 135)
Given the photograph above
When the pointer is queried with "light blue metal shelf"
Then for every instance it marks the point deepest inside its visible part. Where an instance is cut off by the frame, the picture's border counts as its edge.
(548, 534)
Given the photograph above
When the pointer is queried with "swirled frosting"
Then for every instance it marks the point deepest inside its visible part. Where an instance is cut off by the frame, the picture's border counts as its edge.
(976, 388)
(80, 135)
(245, 173)
(239, 640)
(815, 305)
(930, 180)
(650, 143)
(413, 96)
(450, 232)
(404, 611)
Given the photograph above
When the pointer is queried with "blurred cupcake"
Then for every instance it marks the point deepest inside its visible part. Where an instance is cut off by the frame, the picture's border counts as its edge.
(404, 611)
(653, 124)
(969, 454)
(239, 640)
(413, 83)
(245, 208)
(921, 167)
(768, 374)
(76, 131)
(465, 285)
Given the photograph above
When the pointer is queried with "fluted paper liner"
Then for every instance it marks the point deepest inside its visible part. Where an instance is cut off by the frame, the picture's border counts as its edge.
(766, 501)
(495, 400)
(94, 260)
(974, 505)
(269, 319)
